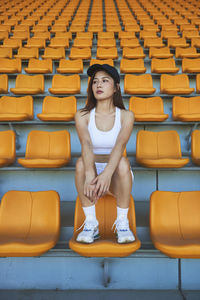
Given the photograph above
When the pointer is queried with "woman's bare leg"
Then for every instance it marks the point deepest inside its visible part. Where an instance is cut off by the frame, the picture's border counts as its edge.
(121, 183)
(79, 181)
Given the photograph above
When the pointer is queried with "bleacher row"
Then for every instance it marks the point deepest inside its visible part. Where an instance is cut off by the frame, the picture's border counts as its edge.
(57, 36)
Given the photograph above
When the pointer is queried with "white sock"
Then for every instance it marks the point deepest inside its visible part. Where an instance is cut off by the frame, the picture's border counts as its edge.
(90, 211)
(122, 212)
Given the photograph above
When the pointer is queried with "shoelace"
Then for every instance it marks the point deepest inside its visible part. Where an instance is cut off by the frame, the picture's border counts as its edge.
(88, 225)
(120, 224)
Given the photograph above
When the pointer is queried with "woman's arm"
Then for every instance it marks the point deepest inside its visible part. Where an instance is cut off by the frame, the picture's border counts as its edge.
(104, 179)
(81, 121)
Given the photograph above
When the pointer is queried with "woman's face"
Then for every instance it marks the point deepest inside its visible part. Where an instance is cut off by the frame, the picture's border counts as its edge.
(103, 86)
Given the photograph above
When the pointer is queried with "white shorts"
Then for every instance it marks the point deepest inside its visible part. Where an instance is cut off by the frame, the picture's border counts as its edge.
(101, 166)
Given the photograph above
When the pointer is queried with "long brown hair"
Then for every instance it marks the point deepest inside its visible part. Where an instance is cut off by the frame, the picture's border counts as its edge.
(92, 101)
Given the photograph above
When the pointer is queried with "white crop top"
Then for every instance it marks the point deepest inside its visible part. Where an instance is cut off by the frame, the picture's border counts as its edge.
(104, 141)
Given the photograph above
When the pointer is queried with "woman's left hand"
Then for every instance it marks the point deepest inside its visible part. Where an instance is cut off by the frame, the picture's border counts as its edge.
(102, 183)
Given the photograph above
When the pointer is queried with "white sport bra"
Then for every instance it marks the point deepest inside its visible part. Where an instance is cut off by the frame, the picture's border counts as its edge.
(104, 141)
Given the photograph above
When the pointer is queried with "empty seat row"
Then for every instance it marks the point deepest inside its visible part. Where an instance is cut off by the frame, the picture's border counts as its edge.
(52, 149)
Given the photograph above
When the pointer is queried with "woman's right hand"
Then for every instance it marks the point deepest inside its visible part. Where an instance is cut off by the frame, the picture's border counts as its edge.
(89, 188)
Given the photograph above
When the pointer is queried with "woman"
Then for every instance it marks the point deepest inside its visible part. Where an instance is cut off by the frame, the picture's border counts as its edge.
(104, 128)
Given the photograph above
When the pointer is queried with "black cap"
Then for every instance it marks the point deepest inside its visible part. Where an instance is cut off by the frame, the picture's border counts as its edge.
(105, 67)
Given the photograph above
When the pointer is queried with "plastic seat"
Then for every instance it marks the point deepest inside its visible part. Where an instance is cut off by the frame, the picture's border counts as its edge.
(107, 53)
(191, 65)
(138, 84)
(175, 84)
(80, 53)
(8, 65)
(177, 42)
(147, 109)
(11, 43)
(46, 149)
(130, 43)
(106, 35)
(26, 53)
(54, 53)
(102, 61)
(95, 28)
(77, 28)
(133, 28)
(70, 66)
(40, 28)
(3, 35)
(195, 42)
(58, 109)
(29, 223)
(16, 108)
(82, 43)
(84, 35)
(186, 109)
(4, 27)
(22, 28)
(39, 66)
(167, 65)
(62, 84)
(178, 237)
(113, 28)
(106, 43)
(190, 52)
(57, 42)
(195, 147)
(159, 149)
(66, 35)
(147, 34)
(132, 66)
(20, 35)
(35, 43)
(153, 42)
(126, 35)
(133, 52)
(26, 84)
(151, 28)
(160, 52)
(106, 246)
(7, 148)
(58, 28)
(165, 34)
(3, 84)
(188, 34)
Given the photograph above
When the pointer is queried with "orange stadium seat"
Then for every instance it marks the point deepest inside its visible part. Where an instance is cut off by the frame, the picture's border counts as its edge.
(151, 28)
(58, 28)
(195, 147)
(166, 34)
(70, 66)
(147, 109)
(58, 42)
(3, 35)
(126, 35)
(26, 53)
(133, 52)
(66, 35)
(35, 43)
(188, 34)
(62, 84)
(54, 53)
(26, 84)
(107, 245)
(177, 236)
(190, 52)
(3, 84)
(20, 35)
(153, 42)
(95, 28)
(106, 43)
(40, 28)
(187, 27)
(16, 108)
(82, 43)
(80, 53)
(39, 66)
(159, 149)
(46, 149)
(7, 148)
(130, 43)
(160, 52)
(11, 43)
(113, 28)
(198, 83)
(107, 53)
(195, 42)
(23, 214)
(132, 66)
(106, 35)
(58, 109)
(4, 27)
(186, 109)
(84, 35)
(138, 84)
(132, 28)
(22, 28)
(102, 61)
(167, 65)
(190, 65)
(175, 84)
(8, 65)
(177, 42)
(147, 34)
(77, 28)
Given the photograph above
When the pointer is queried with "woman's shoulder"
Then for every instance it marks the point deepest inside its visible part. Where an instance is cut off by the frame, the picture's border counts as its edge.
(127, 115)
(82, 116)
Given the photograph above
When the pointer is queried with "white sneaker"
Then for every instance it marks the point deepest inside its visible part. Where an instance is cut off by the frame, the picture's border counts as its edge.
(124, 234)
(90, 231)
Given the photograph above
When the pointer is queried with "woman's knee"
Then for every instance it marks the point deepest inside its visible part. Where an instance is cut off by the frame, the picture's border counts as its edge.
(79, 165)
(123, 167)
